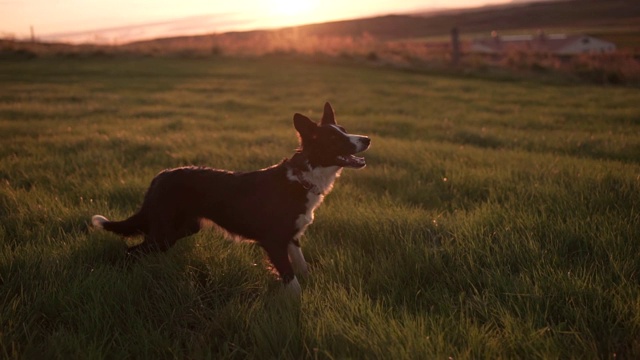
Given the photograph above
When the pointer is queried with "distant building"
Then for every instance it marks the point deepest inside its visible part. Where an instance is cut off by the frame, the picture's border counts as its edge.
(559, 44)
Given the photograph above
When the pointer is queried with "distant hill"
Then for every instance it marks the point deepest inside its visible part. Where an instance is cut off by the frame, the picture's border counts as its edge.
(574, 14)
(548, 14)
(529, 1)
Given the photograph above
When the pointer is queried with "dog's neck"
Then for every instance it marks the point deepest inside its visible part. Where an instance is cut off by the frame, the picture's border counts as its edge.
(315, 179)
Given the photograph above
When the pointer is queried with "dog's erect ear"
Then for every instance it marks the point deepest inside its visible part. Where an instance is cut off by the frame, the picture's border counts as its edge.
(328, 117)
(303, 124)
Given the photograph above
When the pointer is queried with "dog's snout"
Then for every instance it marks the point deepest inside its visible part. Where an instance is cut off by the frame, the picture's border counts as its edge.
(363, 143)
(359, 142)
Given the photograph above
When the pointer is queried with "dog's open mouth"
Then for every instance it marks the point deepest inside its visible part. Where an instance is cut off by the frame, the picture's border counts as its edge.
(351, 161)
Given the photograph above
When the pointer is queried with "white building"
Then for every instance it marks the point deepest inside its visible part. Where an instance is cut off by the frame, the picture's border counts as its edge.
(559, 44)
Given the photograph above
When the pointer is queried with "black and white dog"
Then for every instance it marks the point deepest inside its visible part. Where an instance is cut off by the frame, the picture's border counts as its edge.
(272, 206)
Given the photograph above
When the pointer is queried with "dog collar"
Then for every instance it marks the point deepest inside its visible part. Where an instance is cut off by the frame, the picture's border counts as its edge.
(306, 184)
(297, 164)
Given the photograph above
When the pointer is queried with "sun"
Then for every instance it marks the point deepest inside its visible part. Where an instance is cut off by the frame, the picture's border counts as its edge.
(293, 7)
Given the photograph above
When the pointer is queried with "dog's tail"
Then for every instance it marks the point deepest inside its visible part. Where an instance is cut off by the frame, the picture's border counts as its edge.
(134, 225)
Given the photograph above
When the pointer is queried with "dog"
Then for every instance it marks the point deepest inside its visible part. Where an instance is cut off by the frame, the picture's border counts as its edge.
(272, 206)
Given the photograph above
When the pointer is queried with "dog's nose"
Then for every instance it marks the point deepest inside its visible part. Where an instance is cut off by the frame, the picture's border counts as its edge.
(366, 141)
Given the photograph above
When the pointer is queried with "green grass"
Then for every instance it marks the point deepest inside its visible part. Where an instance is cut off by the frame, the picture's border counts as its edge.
(495, 219)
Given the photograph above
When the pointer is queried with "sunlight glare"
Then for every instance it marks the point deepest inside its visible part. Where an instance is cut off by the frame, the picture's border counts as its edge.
(293, 7)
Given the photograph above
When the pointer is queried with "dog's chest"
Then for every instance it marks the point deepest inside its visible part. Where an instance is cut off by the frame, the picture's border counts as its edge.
(321, 181)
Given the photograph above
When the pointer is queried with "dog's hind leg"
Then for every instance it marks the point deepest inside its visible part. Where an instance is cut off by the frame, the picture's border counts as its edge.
(189, 227)
(162, 235)
(143, 248)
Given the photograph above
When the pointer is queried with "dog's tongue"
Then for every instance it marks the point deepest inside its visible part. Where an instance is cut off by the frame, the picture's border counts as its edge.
(352, 161)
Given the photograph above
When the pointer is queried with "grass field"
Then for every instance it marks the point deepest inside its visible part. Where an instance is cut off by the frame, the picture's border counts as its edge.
(495, 219)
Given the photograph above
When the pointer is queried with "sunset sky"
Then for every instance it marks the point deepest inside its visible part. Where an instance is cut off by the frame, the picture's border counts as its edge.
(123, 20)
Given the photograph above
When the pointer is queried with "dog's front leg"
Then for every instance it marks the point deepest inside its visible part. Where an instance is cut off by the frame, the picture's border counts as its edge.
(297, 258)
(278, 255)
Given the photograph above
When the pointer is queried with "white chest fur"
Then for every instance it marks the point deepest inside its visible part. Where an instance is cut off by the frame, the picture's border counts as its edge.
(321, 180)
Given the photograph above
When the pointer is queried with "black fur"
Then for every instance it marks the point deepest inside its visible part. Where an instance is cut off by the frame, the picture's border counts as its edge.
(265, 205)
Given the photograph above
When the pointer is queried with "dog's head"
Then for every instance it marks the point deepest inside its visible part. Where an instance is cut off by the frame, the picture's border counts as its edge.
(328, 144)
